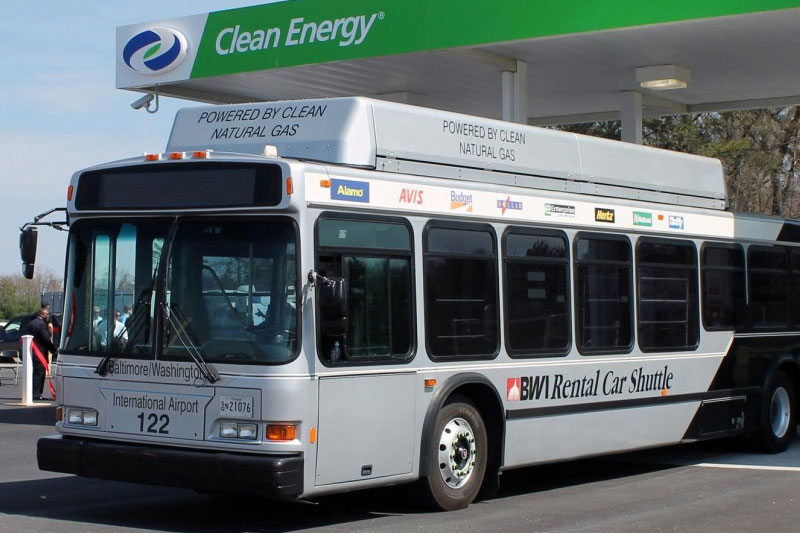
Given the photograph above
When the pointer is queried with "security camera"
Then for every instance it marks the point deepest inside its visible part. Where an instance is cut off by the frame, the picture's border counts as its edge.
(143, 102)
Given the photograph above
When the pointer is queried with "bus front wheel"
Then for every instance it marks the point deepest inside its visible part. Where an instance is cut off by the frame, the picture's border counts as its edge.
(458, 460)
(778, 424)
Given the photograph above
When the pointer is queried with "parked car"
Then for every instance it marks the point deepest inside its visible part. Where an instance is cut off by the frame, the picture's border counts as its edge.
(11, 332)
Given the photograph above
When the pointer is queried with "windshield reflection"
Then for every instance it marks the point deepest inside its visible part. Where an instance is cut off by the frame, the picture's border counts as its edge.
(231, 282)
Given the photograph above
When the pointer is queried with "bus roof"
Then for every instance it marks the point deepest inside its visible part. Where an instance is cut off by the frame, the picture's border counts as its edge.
(375, 134)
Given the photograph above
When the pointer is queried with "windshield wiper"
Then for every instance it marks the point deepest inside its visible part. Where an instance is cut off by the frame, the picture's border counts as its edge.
(187, 338)
(139, 314)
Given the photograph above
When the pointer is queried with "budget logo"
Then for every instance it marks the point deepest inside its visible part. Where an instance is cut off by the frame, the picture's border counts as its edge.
(675, 222)
(155, 51)
(642, 218)
(351, 191)
(460, 201)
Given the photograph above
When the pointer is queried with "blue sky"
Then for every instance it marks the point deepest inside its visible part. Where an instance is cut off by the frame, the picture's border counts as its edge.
(60, 110)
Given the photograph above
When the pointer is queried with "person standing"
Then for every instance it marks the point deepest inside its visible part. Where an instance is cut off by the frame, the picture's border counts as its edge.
(41, 338)
(126, 313)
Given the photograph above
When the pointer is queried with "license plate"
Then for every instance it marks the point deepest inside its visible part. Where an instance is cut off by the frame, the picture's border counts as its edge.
(238, 406)
(179, 416)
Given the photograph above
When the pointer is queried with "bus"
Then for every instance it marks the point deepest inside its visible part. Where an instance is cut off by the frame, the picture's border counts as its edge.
(337, 294)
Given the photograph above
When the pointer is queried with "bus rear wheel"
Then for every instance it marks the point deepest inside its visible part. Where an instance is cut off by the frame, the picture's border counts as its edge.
(458, 458)
(778, 424)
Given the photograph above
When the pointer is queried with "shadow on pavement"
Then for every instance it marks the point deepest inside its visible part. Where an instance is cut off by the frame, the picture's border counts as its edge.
(44, 415)
(116, 504)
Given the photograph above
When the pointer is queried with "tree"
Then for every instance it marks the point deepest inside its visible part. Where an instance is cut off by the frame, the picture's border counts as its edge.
(19, 296)
(758, 149)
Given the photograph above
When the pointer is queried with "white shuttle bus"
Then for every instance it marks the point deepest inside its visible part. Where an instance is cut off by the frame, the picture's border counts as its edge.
(346, 293)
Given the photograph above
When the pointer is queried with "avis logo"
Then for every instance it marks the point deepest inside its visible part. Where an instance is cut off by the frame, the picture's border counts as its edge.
(411, 196)
(155, 51)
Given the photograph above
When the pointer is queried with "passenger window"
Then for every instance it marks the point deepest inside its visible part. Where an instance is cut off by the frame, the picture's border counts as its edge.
(795, 287)
(603, 293)
(536, 293)
(374, 256)
(723, 287)
(667, 288)
(768, 283)
(461, 312)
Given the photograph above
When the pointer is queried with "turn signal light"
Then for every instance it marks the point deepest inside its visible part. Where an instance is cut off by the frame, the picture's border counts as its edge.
(59, 414)
(289, 186)
(281, 432)
(325, 184)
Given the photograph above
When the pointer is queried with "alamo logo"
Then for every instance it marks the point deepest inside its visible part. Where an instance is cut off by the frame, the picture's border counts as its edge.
(351, 191)
(603, 215)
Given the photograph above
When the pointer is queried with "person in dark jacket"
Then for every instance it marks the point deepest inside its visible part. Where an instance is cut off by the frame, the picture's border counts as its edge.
(38, 327)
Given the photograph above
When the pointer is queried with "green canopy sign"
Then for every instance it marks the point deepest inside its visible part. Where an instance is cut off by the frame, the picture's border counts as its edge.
(303, 32)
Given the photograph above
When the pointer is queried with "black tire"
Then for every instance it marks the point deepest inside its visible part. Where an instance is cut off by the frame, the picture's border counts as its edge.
(458, 456)
(778, 417)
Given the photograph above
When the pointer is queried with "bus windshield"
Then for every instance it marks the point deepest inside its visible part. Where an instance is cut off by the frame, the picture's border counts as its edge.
(227, 293)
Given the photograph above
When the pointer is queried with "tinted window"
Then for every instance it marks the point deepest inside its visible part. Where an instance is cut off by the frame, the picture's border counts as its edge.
(374, 258)
(723, 286)
(461, 312)
(795, 287)
(342, 233)
(603, 293)
(537, 302)
(768, 285)
(667, 282)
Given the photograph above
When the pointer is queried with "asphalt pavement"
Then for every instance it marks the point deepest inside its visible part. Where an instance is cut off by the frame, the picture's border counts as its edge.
(706, 487)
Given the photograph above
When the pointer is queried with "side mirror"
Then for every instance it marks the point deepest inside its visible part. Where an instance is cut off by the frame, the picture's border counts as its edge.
(27, 250)
(333, 306)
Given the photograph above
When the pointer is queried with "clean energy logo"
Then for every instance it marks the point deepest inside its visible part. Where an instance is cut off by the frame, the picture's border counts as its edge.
(155, 51)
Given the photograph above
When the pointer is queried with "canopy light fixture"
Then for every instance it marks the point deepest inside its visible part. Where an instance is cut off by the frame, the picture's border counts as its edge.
(663, 77)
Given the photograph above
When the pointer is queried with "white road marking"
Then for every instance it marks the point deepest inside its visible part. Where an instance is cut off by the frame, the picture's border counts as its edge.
(750, 467)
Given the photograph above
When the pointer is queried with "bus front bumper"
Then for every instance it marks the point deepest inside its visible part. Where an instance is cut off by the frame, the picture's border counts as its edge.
(272, 476)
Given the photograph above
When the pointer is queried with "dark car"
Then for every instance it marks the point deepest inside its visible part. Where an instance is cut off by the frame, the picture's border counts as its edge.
(11, 332)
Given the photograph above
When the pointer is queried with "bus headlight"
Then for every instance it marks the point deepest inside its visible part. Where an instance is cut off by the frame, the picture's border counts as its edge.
(238, 430)
(83, 417)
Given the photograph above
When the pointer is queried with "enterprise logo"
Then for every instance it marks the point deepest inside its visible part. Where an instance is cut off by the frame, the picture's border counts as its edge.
(155, 51)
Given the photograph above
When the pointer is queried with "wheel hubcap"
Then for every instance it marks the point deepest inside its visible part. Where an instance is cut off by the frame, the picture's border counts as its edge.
(456, 453)
(780, 411)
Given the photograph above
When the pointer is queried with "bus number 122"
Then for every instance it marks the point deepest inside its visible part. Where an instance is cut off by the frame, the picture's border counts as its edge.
(152, 421)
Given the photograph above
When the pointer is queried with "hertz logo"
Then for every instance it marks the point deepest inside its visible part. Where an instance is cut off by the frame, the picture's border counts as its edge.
(603, 215)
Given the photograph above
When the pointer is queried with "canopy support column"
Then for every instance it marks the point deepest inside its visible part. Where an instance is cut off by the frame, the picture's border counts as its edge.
(515, 93)
(630, 113)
